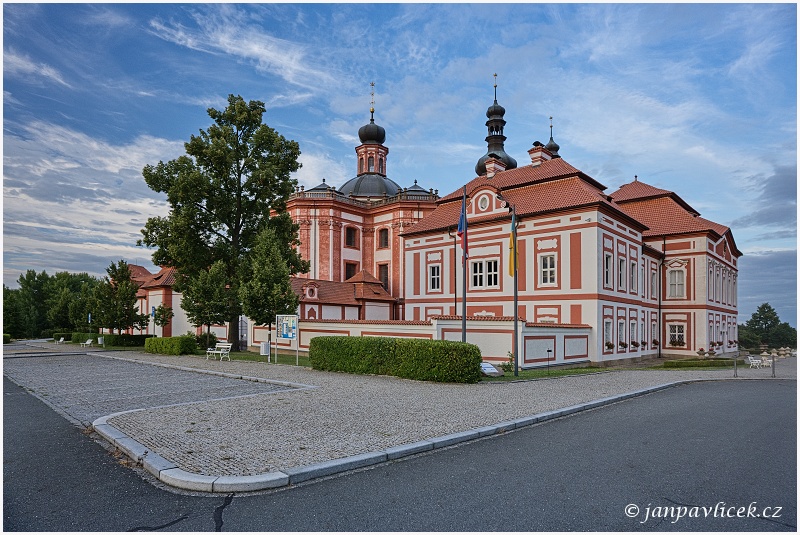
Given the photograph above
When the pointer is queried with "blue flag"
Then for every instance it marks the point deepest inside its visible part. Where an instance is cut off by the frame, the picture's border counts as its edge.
(462, 225)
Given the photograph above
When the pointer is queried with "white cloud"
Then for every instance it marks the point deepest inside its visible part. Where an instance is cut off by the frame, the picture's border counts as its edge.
(21, 66)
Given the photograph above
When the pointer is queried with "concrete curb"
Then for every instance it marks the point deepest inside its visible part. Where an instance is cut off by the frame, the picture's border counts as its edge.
(169, 473)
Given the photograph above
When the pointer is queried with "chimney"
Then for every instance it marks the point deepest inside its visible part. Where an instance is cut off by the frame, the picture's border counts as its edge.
(539, 153)
(494, 165)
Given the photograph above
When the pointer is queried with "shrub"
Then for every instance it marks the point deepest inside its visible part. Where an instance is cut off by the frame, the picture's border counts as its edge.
(175, 345)
(206, 340)
(79, 338)
(424, 360)
(67, 336)
(6, 338)
(125, 340)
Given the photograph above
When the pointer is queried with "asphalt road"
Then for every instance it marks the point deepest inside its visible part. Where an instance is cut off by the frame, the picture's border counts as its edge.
(714, 445)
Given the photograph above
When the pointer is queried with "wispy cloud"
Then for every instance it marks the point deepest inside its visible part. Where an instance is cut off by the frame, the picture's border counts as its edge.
(23, 67)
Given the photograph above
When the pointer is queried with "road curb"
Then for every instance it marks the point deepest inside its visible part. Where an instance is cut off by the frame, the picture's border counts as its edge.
(169, 473)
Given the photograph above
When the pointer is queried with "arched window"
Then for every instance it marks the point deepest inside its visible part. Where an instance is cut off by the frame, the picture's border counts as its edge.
(371, 164)
(360, 165)
(380, 166)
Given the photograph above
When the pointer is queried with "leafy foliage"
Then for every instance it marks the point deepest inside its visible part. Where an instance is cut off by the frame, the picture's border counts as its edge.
(163, 315)
(115, 300)
(205, 296)
(267, 291)
(221, 194)
(765, 327)
(172, 345)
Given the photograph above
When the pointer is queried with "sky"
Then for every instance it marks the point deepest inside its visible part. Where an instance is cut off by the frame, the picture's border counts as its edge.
(699, 99)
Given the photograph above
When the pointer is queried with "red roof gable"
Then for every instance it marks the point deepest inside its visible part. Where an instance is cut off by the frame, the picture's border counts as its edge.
(343, 293)
(548, 170)
(665, 216)
(637, 191)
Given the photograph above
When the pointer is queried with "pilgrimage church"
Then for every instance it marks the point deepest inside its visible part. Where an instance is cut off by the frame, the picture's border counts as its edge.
(600, 275)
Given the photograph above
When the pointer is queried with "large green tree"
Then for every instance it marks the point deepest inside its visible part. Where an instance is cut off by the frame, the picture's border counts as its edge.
(267, 291)
(221, 194)
(205, 297)
(765, 327)
(115, 303)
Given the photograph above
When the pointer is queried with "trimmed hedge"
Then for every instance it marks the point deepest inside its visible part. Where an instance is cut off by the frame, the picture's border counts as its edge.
(174, 345)
(6, 338)
(67, 336)
(126, 340)
(79, 338)
(701, 363)
(424, 360)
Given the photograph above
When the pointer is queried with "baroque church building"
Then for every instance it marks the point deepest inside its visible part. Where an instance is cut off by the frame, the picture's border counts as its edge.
(600, 276)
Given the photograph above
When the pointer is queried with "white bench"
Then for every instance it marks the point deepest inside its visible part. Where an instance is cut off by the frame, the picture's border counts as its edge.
(60, 341)
(87, 343)
(755, 362)
(766, 362)
(223, 350)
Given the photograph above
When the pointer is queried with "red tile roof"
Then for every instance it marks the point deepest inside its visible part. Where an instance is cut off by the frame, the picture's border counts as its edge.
(350, 292)
(529, 200)
(548, 170)
(165, 277)
(637, 191)
(665, 216)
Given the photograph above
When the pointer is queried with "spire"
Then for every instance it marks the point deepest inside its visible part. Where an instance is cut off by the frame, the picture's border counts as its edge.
(495, 139)
(372, 102)
(552, 146)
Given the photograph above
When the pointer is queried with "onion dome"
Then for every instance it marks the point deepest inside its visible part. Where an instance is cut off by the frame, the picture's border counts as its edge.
(552, 146)
(372, 133)
(495, 139)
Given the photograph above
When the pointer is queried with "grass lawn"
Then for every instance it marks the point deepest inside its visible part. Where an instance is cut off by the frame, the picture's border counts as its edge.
(538, 373)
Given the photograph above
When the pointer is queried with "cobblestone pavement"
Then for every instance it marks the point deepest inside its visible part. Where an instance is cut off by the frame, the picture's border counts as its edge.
(345, 415)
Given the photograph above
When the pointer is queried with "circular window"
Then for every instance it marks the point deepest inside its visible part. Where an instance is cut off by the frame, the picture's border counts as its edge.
(310, 292)
(483, 203)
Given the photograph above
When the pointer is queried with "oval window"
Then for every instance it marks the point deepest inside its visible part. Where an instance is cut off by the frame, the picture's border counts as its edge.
(483, 203)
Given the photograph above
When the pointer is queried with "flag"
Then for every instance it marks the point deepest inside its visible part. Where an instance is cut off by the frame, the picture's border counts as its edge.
(462, 225)
(512, 245)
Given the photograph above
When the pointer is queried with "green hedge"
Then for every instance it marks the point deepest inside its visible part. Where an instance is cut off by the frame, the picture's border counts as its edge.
(125, 340)
(175, 345)
(67, 336)
(423, 360)
(79, 338)
(701, 363)
(6, 338)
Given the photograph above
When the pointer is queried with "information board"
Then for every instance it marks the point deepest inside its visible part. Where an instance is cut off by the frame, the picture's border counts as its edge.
(287, 326)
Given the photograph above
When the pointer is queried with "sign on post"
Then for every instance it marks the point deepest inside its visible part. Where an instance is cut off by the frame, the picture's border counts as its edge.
(287, 329)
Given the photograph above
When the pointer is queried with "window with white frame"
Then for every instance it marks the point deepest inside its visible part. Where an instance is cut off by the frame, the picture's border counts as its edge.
(653, 284)
(547, 269)
(676, 336)
(644, 281)
(434, 277)
(724, 297)
(710, 283)
(643, 339)
(608, 335)
(607, 268)
(623, 273)
(654, 330)
(676, 279)
(634, 337)
(485, 273)
(634, 281)
(621, 332)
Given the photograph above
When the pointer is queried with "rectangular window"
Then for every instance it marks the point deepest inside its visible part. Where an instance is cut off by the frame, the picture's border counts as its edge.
(634, 337)
(383, 238)
(634, 282)
(643, 338)
(623, 273)
(434, 278)
(485, 273)
(383, 275)
(654, 331)
(676, 338)
(477, 274)
(492, 273)
(350, 235)
(547, 269)
(608, 336)
(676, 282)
(350, 270)
(621, 331)
(653, 285)
(607, 263)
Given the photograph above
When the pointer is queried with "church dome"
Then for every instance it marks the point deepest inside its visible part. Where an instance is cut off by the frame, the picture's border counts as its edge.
(370, 185)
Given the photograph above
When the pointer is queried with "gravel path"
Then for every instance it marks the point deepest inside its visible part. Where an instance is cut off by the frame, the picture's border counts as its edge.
(272, 427)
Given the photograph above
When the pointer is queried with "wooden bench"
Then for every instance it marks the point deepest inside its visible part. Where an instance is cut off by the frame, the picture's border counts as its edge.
(87, 343)
(755, 362)
(223, 350)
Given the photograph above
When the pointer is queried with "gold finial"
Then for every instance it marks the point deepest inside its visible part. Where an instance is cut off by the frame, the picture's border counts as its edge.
(372, 98)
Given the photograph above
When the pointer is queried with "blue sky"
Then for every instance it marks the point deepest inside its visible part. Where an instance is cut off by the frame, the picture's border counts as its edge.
(697, 99)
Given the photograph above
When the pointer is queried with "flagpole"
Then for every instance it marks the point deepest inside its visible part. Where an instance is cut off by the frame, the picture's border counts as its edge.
(516, 314)
(464, 255)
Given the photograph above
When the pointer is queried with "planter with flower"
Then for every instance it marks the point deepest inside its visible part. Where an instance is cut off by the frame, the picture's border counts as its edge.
(609, 346)
(677, 343)
(655, 343)
(701, 351)
(623, 345)
(634, 344)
